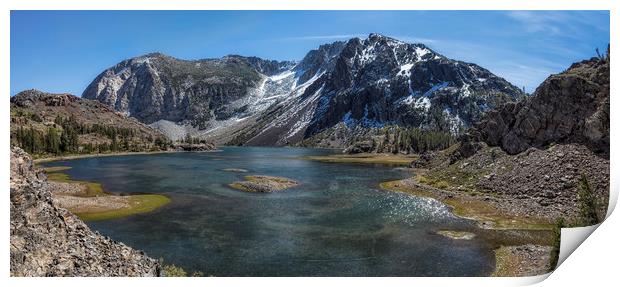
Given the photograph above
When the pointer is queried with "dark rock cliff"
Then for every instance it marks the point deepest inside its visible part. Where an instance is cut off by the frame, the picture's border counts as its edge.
(570, 107)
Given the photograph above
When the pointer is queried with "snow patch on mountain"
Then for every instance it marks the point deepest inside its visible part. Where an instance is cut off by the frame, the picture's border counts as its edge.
(421, 52)
(423, 103)
(172, 130)
(465, 91)
(305, 119)
(281, 76)
(405, 69)
(454, 120)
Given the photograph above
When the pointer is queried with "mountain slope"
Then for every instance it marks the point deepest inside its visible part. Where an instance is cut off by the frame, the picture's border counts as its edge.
(363, 83)
(156, 87)
(44, 123)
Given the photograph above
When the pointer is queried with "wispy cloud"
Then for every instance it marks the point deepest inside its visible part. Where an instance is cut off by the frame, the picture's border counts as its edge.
(518, 67)
(323, 37)
(569, 24)
(539, 21)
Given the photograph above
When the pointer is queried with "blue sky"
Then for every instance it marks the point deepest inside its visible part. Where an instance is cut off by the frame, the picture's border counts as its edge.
(62, 51)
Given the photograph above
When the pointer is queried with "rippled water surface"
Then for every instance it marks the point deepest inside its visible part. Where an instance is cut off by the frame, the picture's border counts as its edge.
(337, 222)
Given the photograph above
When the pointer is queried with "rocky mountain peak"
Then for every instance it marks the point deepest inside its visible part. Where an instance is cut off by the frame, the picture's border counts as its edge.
(29, 98)
(368, 82)
(318, 60)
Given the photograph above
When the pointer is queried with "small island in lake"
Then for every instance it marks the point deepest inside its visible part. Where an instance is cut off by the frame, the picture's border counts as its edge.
(263, 183)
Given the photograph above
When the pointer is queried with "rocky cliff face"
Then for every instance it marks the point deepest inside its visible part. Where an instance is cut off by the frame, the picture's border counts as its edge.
(50, 241)
(382, 80)
(362, 83)
(157, 87)
(570, 107)
(539, 154)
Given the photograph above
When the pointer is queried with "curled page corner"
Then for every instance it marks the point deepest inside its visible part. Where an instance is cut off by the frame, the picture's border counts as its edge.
(613, 197)
(572, 238)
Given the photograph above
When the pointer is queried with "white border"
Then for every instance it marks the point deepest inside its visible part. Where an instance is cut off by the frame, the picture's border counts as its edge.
(593, 263)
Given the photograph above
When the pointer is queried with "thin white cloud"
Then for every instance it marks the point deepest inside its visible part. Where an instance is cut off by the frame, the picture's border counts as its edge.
(520, 68)
(540, 21)
(568, 24)
(528, 76)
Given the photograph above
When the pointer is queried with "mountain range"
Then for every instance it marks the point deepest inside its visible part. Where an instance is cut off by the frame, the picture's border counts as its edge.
(357, 85)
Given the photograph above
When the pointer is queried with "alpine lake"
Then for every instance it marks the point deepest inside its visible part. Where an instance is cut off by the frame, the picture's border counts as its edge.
(336, 222)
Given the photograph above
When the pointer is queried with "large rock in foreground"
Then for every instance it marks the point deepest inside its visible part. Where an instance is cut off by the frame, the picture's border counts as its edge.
(50, 241)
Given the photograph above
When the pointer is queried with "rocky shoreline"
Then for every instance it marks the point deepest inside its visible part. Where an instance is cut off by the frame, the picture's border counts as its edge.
(492, 217)
(47, 240)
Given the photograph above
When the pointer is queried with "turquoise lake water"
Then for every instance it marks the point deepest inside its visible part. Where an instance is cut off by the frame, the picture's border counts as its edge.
(337, 222)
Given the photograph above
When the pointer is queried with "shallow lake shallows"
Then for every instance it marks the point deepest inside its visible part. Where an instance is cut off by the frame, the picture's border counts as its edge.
(337, 222)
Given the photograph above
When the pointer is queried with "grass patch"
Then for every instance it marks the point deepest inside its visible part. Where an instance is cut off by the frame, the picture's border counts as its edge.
(506, 265)
(52, 169)
(386, 159)
(92, 188)
(141, 203)
(174, 271)
(171, 270)
(441, 184)
(239, 186)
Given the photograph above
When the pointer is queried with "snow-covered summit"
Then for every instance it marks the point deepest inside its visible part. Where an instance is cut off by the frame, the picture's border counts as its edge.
(367, 82)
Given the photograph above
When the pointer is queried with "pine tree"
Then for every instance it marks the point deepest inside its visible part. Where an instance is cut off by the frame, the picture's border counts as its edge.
(587, 203)
(52, 141)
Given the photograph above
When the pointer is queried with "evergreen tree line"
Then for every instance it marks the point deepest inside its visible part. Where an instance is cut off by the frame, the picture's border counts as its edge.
(410, 140)
(62, 138)
(193, 140)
